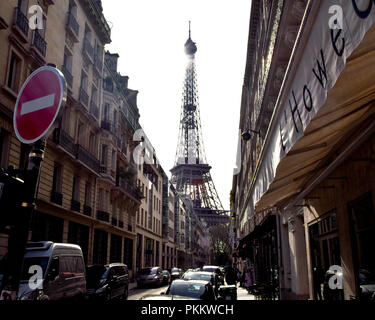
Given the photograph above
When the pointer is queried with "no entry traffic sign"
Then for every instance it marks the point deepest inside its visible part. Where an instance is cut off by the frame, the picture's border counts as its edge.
(38, 104)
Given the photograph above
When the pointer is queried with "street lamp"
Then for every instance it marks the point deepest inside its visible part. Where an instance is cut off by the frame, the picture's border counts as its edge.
(246, 135)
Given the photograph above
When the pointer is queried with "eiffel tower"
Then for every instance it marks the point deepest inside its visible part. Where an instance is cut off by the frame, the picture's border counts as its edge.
(191, 173)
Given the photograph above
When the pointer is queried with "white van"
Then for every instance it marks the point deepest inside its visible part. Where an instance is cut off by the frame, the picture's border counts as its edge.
(52, 271)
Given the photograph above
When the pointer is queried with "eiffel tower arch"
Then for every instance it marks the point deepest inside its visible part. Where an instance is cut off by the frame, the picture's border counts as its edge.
(191, 173)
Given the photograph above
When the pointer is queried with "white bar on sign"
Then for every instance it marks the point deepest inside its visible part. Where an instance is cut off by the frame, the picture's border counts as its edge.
(38, 104)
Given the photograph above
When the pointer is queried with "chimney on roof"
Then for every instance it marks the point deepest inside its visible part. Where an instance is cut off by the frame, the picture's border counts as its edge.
(111, 59)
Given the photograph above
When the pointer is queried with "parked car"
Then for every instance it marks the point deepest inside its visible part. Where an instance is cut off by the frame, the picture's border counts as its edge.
(206, 276)
(62, 270)
(176, 273)
(215, 269)
(197, 289)
(166, 277)
(149, 276)
(106, 282)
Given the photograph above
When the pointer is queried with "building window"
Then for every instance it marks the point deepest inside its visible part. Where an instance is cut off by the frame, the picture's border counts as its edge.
(57, 178)
(75, 191)
(4, 148)
(142, 217)
(104, 155)
(113, 159)
(92, 143)
(14, 72)
(80, 133)
(88, 194)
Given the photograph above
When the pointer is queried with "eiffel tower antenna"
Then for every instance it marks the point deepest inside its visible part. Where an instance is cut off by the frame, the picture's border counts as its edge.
(191, 174)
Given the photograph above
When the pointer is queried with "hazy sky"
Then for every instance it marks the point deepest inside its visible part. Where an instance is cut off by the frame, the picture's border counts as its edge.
(149, 36)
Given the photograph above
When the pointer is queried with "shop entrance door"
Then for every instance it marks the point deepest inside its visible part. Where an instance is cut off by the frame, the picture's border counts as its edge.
(363, 239)
(325, 252)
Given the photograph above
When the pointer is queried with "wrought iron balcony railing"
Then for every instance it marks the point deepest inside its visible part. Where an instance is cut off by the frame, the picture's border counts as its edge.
(68, 76)
(75, 205)
(114, 222)
(39, 43)
(87, 211)
(88, 50)
(62, 138)
(128, 188)
(21, 21)
(94, 109)
(107, 125)
(102, 216)
(56, 197)
(84, 97)
(87, 158)
(73, 25)
(98, 63)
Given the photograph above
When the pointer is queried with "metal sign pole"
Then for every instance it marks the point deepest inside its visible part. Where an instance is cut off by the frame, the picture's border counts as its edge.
(18, 236)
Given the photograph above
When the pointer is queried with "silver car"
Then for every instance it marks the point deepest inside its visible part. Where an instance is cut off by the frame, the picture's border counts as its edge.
(150, 276)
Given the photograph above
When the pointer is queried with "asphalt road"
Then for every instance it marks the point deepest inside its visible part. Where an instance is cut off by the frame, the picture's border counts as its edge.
(137, 293)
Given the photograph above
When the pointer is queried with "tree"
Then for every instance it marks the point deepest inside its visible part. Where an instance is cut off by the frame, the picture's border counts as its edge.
(220, 244)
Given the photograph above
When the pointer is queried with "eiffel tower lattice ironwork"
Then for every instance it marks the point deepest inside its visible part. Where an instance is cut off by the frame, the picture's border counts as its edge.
(191, 174)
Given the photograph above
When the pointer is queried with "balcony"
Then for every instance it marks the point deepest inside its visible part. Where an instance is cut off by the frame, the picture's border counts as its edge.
(94, 110)
(88, 50)
(63, 139)
(75, 205)
(102, 216)
(56, 197)
(87, 211)
(39, 43)
(87, 158)
(73, 27)
(68, 76)
(21, 23)
(128, 188)
(84, 97)
(114, 222)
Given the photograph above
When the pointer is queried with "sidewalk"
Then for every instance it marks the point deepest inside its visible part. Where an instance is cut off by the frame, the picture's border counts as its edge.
(242, 294)
(132, 285)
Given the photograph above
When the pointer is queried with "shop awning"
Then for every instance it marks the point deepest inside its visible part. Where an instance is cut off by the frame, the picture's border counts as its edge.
(327, 96)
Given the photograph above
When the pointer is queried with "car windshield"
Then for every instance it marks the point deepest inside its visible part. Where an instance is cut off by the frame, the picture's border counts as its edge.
(146, 271)
(95, 274)
(29, 267)
(210, 269)
(175, 270)
(197, 276)
(187, 289)
(165, 272)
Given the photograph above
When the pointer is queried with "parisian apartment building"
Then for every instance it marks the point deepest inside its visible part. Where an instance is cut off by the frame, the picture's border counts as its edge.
(93, 192)
(303, 198)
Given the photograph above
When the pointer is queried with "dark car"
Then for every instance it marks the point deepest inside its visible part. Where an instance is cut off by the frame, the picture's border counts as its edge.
(206, 276)
(107, 281)
(176, 273)
(166, 277)
(197, 289)
(149, 276)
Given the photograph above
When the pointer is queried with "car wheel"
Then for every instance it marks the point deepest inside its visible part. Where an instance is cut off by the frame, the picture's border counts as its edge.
(126, 293)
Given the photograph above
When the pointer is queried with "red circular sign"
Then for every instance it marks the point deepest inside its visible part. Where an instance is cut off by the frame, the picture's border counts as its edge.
(38, 104)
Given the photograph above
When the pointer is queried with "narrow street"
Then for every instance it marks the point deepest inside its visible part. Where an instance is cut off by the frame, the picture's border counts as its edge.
(138, 293)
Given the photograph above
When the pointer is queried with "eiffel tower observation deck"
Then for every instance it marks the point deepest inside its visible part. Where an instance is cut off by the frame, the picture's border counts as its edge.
(191, 173)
